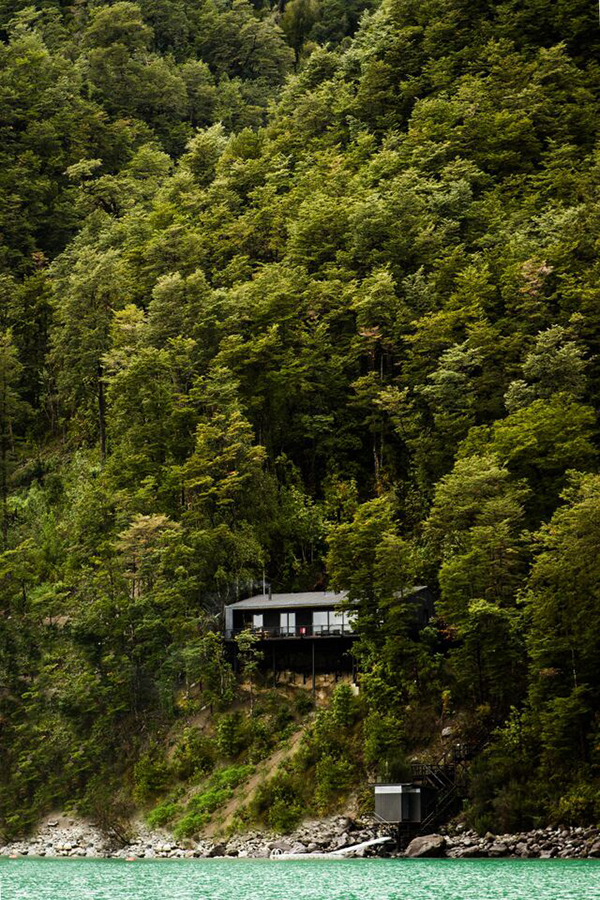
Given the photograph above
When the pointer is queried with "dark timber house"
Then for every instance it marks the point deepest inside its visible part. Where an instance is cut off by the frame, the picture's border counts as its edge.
(307, 632)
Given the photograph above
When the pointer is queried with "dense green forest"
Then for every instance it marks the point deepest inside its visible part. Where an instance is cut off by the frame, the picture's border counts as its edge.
(309, 290)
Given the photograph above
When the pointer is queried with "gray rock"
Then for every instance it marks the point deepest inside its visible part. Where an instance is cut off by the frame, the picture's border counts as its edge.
(298, 848)
(427, 845)
(498, 848)
(594, 850)
(279, 845)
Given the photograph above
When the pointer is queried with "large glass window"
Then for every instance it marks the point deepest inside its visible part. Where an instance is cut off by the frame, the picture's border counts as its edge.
(320, 621)
(257, 621)
(336, 622)
(287, 622)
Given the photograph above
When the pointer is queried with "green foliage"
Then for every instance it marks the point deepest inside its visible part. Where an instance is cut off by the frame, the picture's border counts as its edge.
(192, 823)
(284, 817)
(384, 747)
(152, 776)
(205, 663)
(307, 293)
(231, 734)
(303, 703)
(580, 804)
(194, 755)
(218, 791)
(162, 815)
(344, 708)
(334, 778)
(280, 801)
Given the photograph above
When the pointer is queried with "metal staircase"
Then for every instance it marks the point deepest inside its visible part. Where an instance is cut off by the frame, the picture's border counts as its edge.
(449, 783)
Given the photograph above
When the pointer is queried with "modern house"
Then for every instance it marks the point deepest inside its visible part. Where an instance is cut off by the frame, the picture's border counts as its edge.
(282, 616)
(307, 632)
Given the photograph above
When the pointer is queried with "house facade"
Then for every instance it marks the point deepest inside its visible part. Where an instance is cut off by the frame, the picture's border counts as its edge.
(283, 616)
(310, 632)
(312, 614)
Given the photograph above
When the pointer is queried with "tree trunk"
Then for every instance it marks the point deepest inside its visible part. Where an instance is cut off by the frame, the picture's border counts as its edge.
(101, 412)
(4, 469)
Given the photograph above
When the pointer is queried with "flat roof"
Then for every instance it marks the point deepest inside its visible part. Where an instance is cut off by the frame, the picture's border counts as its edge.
(300, 599)
(286, 601)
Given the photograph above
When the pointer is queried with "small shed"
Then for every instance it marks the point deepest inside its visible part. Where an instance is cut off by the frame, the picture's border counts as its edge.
(403, 803)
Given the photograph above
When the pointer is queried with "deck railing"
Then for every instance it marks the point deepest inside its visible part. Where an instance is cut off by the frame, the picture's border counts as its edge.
(293, 631)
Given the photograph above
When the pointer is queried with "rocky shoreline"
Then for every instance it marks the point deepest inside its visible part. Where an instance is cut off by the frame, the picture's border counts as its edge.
(544, 843)
(66, 837)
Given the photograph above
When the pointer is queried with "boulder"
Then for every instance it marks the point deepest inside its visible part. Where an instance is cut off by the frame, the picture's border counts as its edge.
(595, 850)
(284, 846)
(343, 824)
(427, 845)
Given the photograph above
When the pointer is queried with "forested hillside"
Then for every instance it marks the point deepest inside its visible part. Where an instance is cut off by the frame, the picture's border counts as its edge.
(309, 291)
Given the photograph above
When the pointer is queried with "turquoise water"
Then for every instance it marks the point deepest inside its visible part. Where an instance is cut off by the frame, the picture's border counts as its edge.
(368, 879)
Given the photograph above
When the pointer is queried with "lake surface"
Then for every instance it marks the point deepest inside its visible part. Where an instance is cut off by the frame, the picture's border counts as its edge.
(368, 879)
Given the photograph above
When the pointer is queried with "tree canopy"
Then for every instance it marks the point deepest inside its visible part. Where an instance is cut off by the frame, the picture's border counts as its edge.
(305, 291)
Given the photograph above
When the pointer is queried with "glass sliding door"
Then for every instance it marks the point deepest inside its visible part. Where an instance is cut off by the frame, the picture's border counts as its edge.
(287, 623)
(336, 622)
(320, 622)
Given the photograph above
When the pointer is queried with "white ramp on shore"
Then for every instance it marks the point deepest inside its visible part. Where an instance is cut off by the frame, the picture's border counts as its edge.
(343, 853)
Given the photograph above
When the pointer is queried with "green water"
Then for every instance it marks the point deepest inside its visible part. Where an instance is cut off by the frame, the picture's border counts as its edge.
(393, 879)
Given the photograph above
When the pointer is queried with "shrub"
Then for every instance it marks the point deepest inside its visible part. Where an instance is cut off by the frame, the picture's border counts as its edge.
(106, 806)
(383, 747)
(579, 806)
(151, 775)
(162, 815)
(195, 754)
(231, 776)
(333, 778)
(304, 703)
(191, 824)
(283, 816)
(502, 795)
(210, 800)
(281, 721)
(261, 740)
(280, 800)
(344, 706)
(216, 794)
(230, 734)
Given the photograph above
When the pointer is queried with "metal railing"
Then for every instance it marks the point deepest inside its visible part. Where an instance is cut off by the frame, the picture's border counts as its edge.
(293, 631)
